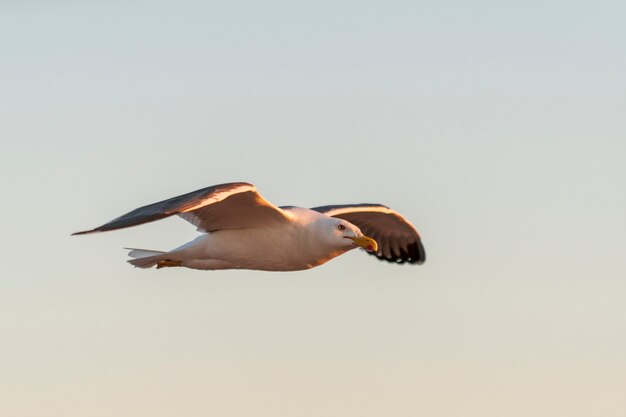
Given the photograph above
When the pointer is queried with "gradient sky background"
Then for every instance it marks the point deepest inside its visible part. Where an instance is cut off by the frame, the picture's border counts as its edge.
(498, 128)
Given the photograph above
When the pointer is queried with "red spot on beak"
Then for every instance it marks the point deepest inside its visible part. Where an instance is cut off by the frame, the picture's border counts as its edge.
(370, 248)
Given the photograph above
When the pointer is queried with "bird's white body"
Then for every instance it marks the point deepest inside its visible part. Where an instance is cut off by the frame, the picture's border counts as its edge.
(293, 247)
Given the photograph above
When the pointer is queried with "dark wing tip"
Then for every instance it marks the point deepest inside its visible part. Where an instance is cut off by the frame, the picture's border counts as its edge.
(417, 254)
(102, 228)
(422, 252)
(414, 254)
(85, 232)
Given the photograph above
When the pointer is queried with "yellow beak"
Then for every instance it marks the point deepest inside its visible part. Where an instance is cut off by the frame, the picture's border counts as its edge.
(366, 243)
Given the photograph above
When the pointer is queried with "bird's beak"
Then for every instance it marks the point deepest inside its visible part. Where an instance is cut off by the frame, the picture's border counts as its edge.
(366, 243)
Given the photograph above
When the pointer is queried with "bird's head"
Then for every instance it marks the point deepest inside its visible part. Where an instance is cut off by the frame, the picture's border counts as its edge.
(347, 236)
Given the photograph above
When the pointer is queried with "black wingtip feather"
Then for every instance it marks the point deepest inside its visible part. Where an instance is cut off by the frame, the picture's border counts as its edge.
(84, 232)
(413, 254)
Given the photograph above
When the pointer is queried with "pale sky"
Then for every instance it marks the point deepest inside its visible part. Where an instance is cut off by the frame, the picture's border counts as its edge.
(497, 128)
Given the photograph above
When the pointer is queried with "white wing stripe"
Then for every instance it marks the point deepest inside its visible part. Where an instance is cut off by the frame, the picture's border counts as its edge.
(344, 210)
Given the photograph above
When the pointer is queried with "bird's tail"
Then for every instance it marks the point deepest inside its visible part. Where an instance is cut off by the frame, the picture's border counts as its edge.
(144, 258)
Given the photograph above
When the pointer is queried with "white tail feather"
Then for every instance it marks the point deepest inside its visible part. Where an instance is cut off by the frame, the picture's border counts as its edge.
(143, 253)
(145, 258)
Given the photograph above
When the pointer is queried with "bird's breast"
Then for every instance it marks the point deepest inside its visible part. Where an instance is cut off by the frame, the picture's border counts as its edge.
(270, 249)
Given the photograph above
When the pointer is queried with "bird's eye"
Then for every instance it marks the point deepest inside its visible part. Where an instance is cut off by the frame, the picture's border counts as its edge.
(341, 227)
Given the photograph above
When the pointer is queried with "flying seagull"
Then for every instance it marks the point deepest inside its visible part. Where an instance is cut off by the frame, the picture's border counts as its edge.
(242, 230)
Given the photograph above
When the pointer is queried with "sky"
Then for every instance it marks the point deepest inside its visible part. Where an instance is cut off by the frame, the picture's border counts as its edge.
(497, 128)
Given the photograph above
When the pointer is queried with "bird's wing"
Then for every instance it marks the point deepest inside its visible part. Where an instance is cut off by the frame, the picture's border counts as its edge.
(234, 205)
(397, 239)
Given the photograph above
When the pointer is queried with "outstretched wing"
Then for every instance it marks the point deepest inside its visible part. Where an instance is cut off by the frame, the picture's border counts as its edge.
(397, 239)
(234, 205)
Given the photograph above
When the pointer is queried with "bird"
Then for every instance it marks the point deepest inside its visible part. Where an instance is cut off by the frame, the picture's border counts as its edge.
(242, 230)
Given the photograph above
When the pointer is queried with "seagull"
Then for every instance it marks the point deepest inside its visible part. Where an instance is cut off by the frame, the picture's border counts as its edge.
(242, 230)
